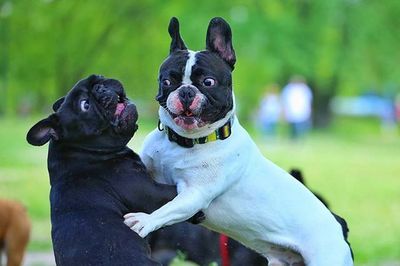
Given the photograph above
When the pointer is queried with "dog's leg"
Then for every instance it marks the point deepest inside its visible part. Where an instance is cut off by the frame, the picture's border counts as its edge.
(181, 208)
(17, 238)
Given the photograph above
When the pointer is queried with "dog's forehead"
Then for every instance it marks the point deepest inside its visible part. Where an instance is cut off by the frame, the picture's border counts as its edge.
(205, 63)
(175, 62)
(81, 86)
(209, 63)
(79, 90)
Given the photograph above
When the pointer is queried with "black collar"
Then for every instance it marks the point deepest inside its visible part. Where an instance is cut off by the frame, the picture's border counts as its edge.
(221, 133)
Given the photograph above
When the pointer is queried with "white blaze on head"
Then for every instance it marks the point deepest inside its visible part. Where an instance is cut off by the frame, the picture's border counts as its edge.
(188, 68)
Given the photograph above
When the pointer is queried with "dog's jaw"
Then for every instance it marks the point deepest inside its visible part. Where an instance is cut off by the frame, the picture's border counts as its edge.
(189, 121)
(197, 132)
(188, 118)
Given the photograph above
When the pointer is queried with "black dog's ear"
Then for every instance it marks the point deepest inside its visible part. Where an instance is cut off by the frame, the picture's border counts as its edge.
(42, 132)
(176, 42)
(219, 40)
(58, 103)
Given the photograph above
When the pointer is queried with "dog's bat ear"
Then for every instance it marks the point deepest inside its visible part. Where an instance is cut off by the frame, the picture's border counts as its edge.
(58, 103)
(43, 131)
(176, 42)
(219, 40)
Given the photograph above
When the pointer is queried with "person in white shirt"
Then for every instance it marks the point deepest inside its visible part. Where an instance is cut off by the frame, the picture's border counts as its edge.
(297, 106)
(270, 110)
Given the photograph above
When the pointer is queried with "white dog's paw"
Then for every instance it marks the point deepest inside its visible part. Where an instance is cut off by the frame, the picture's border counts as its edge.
(140, 222)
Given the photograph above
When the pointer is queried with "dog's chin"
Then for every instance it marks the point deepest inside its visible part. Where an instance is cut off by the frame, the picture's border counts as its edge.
(188, 123)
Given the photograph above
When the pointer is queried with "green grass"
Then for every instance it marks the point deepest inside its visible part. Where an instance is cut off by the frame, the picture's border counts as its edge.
(354, 165)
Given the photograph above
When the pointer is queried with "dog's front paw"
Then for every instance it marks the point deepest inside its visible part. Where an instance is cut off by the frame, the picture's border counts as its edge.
(140, 222)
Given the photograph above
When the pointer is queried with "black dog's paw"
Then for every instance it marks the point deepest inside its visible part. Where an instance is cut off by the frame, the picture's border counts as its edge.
(197, 218)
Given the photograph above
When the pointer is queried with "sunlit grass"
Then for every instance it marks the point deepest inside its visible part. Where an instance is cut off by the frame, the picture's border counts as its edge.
(353, 165)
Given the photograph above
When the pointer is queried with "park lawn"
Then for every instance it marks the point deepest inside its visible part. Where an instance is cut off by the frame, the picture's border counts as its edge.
(353, 165)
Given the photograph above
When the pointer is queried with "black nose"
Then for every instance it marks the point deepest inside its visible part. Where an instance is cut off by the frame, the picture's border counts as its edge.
(186, 96)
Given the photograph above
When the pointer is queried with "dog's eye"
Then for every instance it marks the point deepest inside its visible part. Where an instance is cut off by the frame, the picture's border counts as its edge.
(209, 82)
(166, 82)
(85, 105)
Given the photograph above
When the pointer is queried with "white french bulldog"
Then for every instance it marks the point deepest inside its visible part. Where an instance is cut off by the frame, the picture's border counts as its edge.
(201, 147)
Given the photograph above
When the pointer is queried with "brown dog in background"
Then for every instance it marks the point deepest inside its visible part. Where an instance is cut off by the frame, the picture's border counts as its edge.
(15, 228)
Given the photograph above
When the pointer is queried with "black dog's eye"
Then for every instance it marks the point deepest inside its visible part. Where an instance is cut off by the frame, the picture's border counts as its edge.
(209, 82)
(85, 105)
(166, 82)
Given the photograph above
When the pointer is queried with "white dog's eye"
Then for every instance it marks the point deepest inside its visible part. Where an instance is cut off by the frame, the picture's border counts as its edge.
(85, 105)
(209, 82)
(166, 82)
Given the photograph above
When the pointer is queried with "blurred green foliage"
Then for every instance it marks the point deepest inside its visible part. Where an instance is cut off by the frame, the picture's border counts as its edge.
(341, 46)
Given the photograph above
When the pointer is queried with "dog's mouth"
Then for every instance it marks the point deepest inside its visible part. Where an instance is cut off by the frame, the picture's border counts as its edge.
(125, 115)
(119, 110)
(121, 105)
(187, 119)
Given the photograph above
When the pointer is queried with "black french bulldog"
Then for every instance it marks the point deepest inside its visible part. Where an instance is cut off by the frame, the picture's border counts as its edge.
(95, 178)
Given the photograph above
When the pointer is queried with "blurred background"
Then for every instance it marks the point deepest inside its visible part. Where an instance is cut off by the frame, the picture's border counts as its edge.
(343, 53)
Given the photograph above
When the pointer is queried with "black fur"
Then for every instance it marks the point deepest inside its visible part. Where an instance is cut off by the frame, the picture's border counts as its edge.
(200, 245)
(95, 179)
(219, 40)
(176, 43)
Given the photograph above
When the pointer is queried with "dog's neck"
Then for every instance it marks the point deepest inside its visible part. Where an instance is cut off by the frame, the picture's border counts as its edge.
(219, 134)
(61, 157)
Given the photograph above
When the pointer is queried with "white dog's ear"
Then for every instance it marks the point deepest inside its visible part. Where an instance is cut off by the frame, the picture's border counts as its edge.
(219, 40)
(43, 131)
(176, 42)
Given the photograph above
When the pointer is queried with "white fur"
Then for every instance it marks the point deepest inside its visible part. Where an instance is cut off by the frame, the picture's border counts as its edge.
(242, 194)
(188, 68)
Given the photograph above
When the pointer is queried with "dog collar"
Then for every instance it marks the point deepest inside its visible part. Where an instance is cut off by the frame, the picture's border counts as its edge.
(221, 133)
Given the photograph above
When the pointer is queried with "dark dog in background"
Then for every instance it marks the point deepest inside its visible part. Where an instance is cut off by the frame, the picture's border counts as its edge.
(15, 229)
(201, 246)
(95, 178)
(296, 173)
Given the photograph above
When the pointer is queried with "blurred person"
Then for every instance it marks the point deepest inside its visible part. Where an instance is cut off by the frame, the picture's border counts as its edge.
(397, 107)
(388, 113)
(269, 110)
(15, 229)
(296, 102)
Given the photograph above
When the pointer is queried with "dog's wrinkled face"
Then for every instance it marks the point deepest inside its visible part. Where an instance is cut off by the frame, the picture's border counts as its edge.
(95, 114)
(195, 88)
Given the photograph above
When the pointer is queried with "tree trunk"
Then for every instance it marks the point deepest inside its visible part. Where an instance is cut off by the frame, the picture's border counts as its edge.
(323, 94)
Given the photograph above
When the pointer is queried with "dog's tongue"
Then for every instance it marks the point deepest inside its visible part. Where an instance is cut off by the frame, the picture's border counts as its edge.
(119, 109)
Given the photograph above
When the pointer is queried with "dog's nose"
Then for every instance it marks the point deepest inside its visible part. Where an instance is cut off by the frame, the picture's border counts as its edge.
(186, 96)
